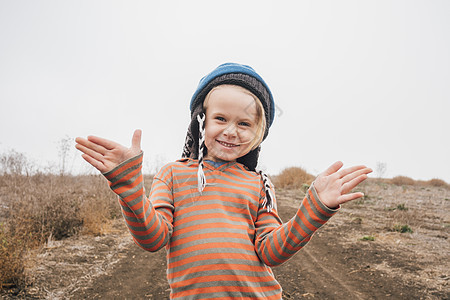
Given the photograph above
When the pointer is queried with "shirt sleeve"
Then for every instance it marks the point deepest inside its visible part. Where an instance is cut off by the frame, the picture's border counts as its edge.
(276, 242)
(150, 227)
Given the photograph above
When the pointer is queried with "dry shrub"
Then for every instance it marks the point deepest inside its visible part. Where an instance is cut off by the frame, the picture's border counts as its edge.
(35, 208)
(45, 205)
(12, 258)
(293, 177)
(403, 180)
(97, 214)
(98, 205)
(13, 162)
(437, 183)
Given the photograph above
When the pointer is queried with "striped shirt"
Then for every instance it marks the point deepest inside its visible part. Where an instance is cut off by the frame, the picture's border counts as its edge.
(220, 243)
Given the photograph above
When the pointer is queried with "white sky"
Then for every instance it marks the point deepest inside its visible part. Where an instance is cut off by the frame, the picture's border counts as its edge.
(357, 81)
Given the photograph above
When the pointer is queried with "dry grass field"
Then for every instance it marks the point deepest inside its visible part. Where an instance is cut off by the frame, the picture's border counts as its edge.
(62, 237)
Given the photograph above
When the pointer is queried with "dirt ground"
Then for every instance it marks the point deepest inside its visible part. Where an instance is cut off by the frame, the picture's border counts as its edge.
(359, 254)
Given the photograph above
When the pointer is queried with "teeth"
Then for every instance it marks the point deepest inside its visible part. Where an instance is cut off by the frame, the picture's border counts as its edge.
(226, 144)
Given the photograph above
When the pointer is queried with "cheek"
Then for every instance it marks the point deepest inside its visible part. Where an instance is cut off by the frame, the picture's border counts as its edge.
(209, 136)
(212, 130)
(208, 141)
(248, 135)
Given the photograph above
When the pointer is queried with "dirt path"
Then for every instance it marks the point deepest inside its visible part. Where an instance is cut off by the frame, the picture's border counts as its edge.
(138, 275)
(328, 269)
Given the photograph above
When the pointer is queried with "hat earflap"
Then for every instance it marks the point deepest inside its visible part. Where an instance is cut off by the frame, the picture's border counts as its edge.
(191, 145)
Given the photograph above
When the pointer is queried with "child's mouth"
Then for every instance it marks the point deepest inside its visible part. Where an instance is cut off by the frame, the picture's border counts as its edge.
(228, 145)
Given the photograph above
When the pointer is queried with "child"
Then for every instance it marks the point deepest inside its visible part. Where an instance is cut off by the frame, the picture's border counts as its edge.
(215, 215)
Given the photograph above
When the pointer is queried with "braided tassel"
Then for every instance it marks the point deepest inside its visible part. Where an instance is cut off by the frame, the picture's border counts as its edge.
(201, 145)
(269, 200)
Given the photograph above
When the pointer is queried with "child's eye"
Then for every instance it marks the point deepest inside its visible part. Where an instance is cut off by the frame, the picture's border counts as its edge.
(247, 124)
(220, 119)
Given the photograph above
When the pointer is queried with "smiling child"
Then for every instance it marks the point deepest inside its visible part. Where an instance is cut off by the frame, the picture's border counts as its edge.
(212, 211)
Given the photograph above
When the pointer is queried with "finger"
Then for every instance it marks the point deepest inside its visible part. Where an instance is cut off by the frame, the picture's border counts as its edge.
(350, 170)
(333, 168)
(80, 146)
(91, 145)
(82, 141)
(136, 140)
(95, 163)
(90, 152)
(79, 140)
(355, 174)
(349, 197)
(107, 144)
(347, 187)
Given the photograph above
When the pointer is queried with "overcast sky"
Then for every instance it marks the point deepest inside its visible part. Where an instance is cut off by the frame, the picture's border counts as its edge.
(364, 82)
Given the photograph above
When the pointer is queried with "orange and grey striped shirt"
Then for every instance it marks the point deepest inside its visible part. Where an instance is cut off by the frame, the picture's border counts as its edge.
(220, 243)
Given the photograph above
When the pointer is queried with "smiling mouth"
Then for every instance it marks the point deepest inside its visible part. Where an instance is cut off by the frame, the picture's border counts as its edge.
(228, 145)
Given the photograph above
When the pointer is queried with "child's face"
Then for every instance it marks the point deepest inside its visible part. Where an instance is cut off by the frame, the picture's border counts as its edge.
(231, 120)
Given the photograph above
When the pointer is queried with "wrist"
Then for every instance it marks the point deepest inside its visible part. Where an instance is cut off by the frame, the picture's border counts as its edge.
(116, 174)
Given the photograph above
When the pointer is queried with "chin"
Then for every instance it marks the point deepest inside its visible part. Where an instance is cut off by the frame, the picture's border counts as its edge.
(222, 157)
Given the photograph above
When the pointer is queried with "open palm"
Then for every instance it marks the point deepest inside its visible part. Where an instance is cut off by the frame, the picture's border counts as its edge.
(334, 186)
(104, 154)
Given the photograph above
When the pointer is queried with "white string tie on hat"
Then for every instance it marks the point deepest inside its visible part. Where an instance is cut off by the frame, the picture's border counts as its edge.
(269, 200)
(201, 145)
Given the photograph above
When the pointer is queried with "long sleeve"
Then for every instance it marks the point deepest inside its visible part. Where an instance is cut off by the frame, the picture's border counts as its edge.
(276, 242)
(150, 228)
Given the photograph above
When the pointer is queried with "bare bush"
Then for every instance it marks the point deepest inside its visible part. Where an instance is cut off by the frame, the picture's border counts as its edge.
(403, 180)
(12, 261)
(34, 209)
(380, 169)
(293, 177)
(14, 163)
(65, 145)
(437, 182)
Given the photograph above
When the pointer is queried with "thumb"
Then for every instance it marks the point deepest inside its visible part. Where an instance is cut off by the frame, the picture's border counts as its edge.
(136, 140)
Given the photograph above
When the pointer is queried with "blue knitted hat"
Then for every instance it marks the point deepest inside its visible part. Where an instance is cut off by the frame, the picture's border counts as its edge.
(235, 74)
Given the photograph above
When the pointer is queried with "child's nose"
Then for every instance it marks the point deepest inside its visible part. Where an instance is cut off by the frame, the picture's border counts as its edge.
(230, 130)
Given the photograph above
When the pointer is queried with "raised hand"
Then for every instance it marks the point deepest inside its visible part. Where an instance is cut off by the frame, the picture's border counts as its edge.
(334, 185)
(104, 154)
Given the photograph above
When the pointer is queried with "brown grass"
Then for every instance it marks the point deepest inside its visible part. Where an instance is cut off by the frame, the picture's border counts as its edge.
(34, 209)
(403, 180)
(437, 182)
(293, 177)
(12, 261)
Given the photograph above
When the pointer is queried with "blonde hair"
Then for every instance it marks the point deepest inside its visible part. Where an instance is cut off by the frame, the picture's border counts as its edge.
(260, 114)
